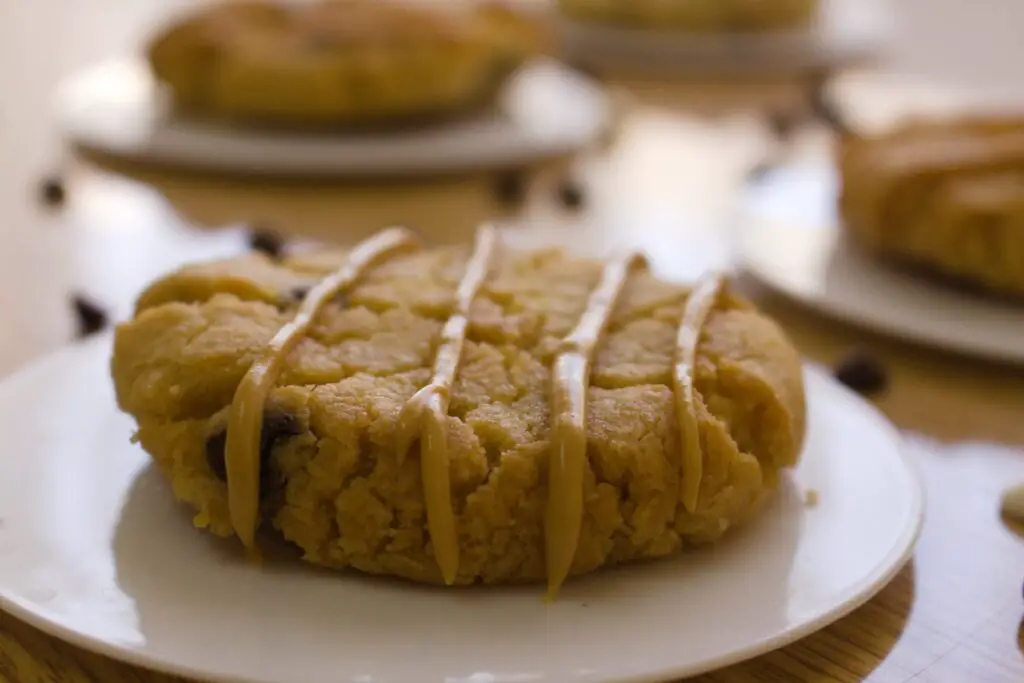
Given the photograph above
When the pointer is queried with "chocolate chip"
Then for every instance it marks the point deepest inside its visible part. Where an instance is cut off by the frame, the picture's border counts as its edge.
(571, 195)
(52, 192)
(510, 188)
(277, 427)
(267, 241)
(91, 318)
(299, 293)
(863, 372)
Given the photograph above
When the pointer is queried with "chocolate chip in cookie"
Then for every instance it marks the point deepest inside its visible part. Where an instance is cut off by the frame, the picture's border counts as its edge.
(863, 372)
(278, 426)
(89, 316)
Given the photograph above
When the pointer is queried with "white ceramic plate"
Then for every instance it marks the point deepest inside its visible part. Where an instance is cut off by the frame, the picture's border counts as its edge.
(94, 550)
(846, 31)
(788, 237)
(545, 111)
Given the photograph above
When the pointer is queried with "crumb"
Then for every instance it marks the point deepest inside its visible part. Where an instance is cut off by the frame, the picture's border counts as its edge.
(811, 497)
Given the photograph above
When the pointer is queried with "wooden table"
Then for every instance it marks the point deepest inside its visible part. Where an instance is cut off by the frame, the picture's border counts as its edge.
(954, 614)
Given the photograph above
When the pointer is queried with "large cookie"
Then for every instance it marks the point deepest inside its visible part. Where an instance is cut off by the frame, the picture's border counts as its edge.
(473, 414)
(946, 196)
(341, 61)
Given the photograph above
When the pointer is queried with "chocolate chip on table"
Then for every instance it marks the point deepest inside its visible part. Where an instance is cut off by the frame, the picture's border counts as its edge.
(52, 191)
(266, 240)
(863, 372)
(277, 426)
(90, 317)
(570, 194)
(510, 188)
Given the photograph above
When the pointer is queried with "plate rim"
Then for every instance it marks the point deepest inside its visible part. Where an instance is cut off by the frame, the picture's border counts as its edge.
(523, 153)
(747, 218)
(863, 591)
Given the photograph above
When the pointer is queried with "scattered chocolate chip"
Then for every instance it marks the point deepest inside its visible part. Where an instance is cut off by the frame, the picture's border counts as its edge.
(52, 192)
(571, 195)
(267, 241)
(863, 372)
(277, 426)
(91, 318)
(510, 188)
(823, 108)
(299, 293)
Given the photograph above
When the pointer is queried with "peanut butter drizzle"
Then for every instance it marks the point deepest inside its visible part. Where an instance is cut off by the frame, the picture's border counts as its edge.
(426, 411)
(245, 419)
(570, 379)
(695, 314)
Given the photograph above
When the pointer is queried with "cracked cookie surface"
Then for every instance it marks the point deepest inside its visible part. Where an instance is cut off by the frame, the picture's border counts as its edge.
(332, 483)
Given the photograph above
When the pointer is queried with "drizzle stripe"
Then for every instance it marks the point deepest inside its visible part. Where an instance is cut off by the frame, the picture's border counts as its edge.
(427, 411)
(245, 420)
(570, 379)
(695, 314)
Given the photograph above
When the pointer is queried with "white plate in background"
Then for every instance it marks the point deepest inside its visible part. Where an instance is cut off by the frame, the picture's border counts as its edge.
(545, 111)
(846, 31)
(789, 237)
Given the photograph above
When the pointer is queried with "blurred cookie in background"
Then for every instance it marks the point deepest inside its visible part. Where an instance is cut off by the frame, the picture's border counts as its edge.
(341, 61)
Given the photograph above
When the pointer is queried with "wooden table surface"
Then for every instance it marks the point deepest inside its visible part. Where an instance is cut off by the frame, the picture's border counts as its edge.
(954, 614)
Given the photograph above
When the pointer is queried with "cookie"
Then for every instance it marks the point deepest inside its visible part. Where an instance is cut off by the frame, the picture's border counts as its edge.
(460, 415)
(945, 197)
(697, 16)
(340, 62)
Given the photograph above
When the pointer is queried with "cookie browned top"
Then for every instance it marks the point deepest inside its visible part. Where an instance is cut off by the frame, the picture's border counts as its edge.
(196, 331)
